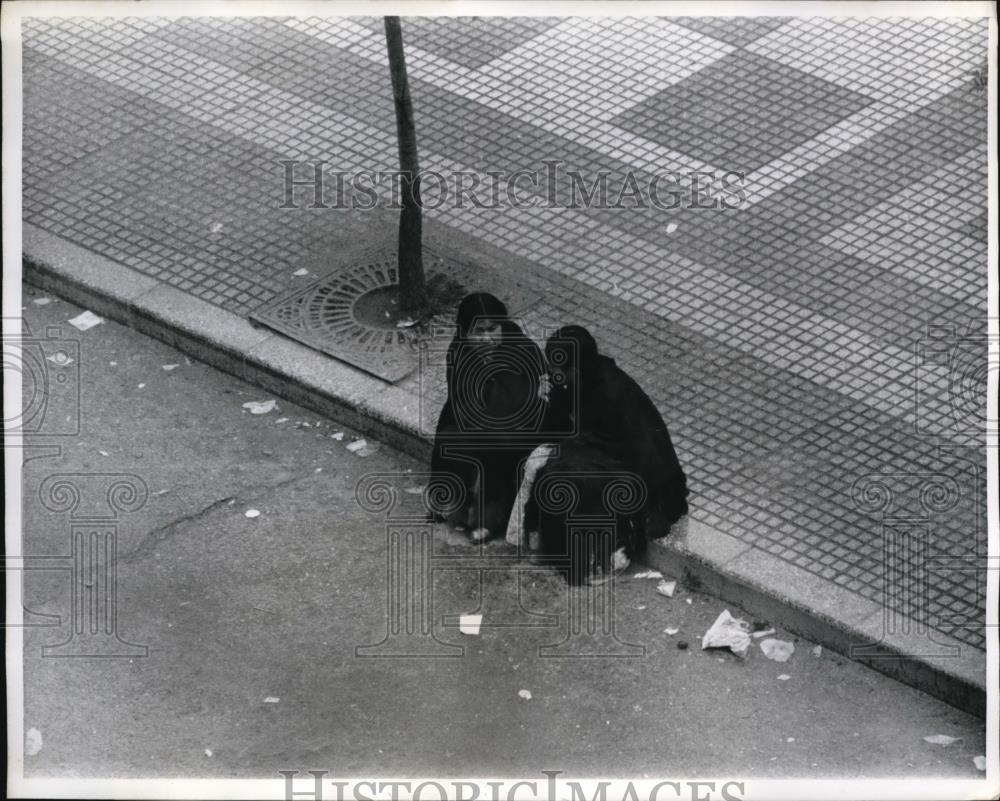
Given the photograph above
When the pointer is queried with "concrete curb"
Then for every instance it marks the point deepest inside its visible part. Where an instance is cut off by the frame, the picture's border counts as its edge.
(764, 585)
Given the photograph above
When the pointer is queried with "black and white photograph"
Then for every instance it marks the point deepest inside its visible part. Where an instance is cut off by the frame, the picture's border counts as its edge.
(501, 401)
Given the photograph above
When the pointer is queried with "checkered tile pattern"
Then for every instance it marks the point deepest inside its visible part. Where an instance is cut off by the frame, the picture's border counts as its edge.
(781, 340)
(742, 112)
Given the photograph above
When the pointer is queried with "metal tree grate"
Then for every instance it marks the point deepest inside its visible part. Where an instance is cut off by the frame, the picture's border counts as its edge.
(325, 316)
(342, 315)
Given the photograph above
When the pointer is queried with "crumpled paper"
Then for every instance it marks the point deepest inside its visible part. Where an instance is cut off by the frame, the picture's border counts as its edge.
(261, 407)
(941, 739)
(85, 321)
(728, 632)
(778, 650)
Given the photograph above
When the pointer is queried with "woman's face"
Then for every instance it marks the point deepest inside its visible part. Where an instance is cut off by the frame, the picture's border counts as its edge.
(485, 332)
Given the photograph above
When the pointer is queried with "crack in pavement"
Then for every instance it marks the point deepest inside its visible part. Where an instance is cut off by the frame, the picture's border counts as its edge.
(161, 533)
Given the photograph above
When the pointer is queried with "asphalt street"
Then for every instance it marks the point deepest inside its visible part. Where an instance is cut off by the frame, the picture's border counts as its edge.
(252, 622)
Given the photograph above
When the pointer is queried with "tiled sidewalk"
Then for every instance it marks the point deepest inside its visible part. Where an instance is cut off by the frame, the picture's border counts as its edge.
(780, 340)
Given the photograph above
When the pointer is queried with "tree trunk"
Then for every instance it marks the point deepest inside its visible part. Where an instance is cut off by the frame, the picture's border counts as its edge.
(411, 265)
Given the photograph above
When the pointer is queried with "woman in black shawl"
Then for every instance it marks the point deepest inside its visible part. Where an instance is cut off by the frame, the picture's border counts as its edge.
(491, 418)
(616, 427)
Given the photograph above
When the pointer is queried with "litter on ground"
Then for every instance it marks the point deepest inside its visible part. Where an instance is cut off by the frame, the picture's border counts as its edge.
(817, 650)
(941, 739)
(778, 650)
(252, 513)
(261, 407)
(42, 301)
(301, 271)
(728, 632)
(32, 742)
(979, 762)
(85, 321)
(764, 633)
(469, 624)
(208, 752)
(338, 436)
(525, 694)
(271, 699)
(666, 588)
(169, 367)
(648, 574)
(670, 630)
(784, 677)
(362, 447)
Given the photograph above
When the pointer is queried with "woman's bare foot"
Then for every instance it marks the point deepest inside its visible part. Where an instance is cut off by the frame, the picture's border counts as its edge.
(619, 564)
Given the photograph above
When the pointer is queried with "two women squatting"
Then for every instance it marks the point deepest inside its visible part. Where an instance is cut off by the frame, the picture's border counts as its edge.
(520, 431)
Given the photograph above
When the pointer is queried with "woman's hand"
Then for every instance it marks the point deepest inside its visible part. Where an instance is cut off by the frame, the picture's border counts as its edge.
(544, 387)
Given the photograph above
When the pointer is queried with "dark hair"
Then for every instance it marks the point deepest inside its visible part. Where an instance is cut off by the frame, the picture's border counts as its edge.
(571, 346)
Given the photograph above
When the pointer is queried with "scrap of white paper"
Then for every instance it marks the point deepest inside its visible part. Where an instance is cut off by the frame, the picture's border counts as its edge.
(261, 407)
(778, 650)
(85, 321)
(32, 742)
(469, 624)
(941, 739)
(728, 632)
